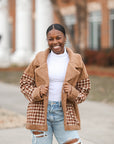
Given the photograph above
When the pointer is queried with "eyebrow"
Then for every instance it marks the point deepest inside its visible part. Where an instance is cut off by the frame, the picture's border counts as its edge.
(56, 36)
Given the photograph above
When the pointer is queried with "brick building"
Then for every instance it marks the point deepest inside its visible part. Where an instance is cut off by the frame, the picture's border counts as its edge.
(99, 33)
(100, 24)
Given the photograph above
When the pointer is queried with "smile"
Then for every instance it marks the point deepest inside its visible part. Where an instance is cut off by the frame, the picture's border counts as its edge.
(56, 47)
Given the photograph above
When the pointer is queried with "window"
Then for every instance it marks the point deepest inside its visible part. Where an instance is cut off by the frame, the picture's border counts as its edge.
(95, 30)
(70, 21)
(112, 28)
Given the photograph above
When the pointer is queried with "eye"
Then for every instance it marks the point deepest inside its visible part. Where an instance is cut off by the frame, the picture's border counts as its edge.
(50, 39)
(58, 38)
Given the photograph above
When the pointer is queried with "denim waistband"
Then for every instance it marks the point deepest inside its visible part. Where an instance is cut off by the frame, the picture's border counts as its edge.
(54, 103)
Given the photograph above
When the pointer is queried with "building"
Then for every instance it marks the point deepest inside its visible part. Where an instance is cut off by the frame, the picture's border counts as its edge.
(100, 22)
(23, 24)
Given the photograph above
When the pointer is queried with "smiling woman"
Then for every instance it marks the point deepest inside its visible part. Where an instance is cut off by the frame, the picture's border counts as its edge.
(55, 83)
(56, 38)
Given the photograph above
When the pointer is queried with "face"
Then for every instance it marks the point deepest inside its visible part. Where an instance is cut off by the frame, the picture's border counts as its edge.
(56, 40)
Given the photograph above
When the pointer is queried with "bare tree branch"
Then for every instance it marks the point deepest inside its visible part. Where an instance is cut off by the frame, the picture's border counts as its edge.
(81, 7)
(59, 15)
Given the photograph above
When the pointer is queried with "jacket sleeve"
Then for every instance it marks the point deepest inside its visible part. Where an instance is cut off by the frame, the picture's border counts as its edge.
(82, 88)
(28, 86)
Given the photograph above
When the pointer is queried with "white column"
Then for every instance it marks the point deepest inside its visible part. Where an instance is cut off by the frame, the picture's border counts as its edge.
(44, 18)
(4, 35)
(23, 32)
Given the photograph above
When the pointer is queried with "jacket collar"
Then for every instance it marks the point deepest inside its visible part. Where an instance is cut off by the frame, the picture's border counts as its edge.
(71, 72)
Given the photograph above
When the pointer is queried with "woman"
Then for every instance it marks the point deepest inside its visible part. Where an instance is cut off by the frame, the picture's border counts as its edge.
(55, 83)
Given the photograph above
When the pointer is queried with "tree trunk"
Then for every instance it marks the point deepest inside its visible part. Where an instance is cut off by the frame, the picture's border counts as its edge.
(59, 15)
(81, 15)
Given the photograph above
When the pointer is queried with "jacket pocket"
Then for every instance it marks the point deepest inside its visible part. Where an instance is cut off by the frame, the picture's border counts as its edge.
(71, 115)
(35, 113)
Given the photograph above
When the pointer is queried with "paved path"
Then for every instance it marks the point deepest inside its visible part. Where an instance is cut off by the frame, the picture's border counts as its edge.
(97, 119)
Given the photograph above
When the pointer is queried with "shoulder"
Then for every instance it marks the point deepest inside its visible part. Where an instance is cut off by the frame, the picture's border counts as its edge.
(78, 56)
(73, 54)
(41, 57)
(75, 58)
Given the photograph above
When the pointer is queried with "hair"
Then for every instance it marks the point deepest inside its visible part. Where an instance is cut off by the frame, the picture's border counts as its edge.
(57, 27)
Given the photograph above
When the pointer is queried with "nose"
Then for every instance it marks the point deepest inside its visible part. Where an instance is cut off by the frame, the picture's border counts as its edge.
(54, 41)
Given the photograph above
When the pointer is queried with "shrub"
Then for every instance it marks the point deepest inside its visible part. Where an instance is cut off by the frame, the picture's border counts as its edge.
(111, 58)
(101, 58)
(90, 56)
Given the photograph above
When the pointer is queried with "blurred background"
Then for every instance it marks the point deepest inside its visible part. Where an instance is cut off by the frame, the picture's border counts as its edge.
(89, 26)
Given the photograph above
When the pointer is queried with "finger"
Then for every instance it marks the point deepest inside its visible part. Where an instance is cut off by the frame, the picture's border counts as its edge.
(66, 86)
(66, 90)
(45, 90)
(46, 86)
(66, 83)
(44, 93)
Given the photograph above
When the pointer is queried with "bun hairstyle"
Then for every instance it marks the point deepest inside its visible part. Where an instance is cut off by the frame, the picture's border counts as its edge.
(57, 27)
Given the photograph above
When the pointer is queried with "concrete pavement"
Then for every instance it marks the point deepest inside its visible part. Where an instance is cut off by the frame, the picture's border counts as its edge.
(97, 119)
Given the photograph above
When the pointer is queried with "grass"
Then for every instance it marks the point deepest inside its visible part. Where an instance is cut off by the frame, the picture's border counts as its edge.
(12, 77)
(102, 88)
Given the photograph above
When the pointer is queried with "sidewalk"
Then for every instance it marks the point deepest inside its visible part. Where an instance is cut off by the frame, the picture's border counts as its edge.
(21, 136)
(97, 119)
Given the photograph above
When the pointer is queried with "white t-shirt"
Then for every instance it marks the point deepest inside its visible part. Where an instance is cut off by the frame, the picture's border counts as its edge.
(57, 66)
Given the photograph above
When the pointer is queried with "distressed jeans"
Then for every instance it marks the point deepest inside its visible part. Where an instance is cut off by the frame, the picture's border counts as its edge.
(55, 121)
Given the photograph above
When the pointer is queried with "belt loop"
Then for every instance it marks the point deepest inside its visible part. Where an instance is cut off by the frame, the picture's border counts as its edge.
(59, 103)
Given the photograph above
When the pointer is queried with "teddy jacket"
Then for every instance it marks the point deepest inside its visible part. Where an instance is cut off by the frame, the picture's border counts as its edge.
(36, 74)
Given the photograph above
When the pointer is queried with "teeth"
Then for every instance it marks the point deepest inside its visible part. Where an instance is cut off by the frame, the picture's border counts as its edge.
(56, 47)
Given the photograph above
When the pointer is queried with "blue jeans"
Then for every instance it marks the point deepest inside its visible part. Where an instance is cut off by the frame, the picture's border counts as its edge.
(55, 121)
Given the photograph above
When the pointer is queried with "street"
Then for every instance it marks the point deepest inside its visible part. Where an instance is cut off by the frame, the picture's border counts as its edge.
(97, 119)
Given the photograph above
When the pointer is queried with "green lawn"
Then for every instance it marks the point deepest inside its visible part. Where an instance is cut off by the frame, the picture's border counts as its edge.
(102, 88)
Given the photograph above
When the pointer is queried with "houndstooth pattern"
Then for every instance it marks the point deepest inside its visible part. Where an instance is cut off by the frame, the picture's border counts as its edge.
(70, 115)
(35, 113)
(27, 85)
(83, 87)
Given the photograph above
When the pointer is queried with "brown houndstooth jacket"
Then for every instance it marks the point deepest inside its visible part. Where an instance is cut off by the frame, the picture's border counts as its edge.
(36, 74)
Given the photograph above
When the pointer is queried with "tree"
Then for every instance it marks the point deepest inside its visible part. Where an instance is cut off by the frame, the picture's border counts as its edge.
(81, 15)
(59, 15)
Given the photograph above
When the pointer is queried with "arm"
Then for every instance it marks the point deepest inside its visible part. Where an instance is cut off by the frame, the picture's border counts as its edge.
(28, 86)
(80, 92)
(82, 88)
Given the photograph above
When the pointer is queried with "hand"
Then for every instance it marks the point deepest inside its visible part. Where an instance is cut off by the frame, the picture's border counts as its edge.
(44, 90)
(67, 87)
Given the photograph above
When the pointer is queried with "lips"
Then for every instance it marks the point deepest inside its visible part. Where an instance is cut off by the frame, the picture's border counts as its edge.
(56, 47)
